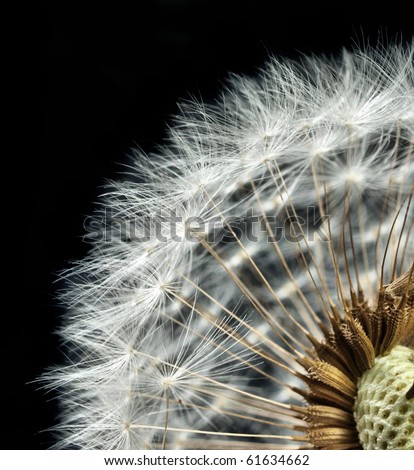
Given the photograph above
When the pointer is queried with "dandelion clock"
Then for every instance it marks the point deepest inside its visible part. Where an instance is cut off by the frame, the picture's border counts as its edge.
(251, 284)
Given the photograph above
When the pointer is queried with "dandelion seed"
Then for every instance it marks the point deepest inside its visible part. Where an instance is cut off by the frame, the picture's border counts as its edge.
(265, 325)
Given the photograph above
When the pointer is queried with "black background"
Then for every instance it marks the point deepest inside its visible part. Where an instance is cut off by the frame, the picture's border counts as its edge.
(108, 78)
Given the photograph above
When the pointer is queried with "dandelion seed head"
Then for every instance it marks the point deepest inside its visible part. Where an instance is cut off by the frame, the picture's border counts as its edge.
(244, 289)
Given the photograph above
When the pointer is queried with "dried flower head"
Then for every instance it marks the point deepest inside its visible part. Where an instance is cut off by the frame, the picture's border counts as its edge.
(256, 290)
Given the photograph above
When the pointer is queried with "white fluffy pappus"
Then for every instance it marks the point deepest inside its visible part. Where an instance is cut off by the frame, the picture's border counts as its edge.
(190, 321)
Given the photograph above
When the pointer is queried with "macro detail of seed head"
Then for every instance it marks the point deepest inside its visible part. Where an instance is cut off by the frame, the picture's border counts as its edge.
(383, 413)
(253, 287)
